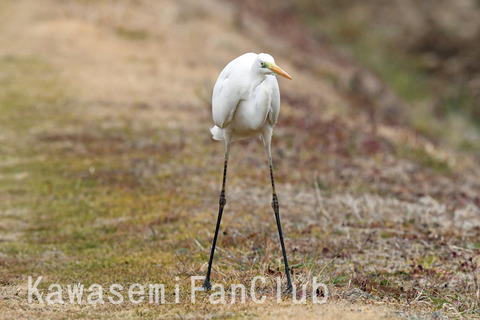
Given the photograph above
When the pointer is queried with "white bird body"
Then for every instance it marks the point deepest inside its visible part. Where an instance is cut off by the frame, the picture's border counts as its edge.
(246, 98)
(246, 103)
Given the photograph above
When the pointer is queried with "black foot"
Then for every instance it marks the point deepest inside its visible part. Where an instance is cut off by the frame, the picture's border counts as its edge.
(288, 290)
(206, 285)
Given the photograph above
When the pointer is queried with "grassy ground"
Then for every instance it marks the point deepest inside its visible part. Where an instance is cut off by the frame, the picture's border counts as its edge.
(420, 51)
(108, 173)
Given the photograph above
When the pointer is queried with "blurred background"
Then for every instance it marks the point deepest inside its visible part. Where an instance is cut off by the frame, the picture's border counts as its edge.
(426, 52)
(108, 172)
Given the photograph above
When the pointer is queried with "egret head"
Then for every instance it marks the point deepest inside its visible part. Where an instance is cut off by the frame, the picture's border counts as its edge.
(266, 65)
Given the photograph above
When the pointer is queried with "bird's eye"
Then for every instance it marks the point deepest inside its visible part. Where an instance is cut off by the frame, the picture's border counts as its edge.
(264, 65)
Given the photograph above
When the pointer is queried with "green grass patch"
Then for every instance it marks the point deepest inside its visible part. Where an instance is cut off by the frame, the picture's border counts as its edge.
(421, 157)
(132, 34)
(87, 217)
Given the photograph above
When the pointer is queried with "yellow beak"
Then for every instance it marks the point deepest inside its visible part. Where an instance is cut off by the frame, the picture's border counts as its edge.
(279, 71)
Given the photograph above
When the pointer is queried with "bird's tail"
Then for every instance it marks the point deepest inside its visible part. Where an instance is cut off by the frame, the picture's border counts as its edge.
(217, 133)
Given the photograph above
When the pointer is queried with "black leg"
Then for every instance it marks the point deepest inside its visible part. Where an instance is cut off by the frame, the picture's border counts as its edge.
(275, 207)
(222, 202)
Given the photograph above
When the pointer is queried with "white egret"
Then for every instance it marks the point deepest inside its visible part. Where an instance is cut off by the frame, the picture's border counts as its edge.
(246, 103)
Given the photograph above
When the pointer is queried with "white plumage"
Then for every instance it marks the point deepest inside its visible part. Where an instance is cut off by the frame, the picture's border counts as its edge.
(246, 98)
(246, 103)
